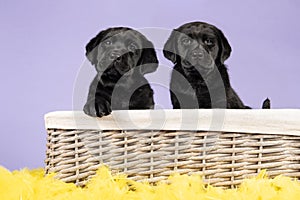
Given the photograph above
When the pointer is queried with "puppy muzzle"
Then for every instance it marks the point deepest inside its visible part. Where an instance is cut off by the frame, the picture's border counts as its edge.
(123, 63)
(200, 60)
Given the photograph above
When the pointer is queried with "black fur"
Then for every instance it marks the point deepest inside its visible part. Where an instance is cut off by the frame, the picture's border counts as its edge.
(200, 78)
(266, 104)
(121, 57)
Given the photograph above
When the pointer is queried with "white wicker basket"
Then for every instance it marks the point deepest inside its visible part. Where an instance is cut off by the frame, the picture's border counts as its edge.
(224, 146)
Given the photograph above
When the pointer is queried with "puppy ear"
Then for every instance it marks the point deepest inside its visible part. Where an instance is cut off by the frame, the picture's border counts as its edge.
(148, 61)
(226, 48)
(170, 47)
(92, 47)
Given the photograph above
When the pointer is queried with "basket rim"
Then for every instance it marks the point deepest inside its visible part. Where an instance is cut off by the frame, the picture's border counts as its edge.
(260, 121)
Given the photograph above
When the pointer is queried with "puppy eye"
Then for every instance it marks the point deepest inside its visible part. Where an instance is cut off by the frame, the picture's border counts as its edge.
(209, 42)
(186, 41)
(107, 42)
(132, 47)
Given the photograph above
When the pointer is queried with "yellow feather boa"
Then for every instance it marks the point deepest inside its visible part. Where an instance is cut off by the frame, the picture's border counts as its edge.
(33, 185)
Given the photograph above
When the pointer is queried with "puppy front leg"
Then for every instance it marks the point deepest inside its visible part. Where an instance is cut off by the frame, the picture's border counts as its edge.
(98, 102)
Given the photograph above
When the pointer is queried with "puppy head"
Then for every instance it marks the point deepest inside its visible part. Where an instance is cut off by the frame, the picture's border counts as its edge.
(197, 46)
(121, 49)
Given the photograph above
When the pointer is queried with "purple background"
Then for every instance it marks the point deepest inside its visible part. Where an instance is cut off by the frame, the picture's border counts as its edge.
(42, 52)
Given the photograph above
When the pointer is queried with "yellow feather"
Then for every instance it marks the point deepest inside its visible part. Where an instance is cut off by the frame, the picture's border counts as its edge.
(33, 185)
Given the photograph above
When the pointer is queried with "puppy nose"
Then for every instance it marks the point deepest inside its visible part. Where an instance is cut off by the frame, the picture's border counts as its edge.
(197, 54)
(115, 56)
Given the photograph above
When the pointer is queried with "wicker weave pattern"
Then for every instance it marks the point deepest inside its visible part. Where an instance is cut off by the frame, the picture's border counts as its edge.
(222, 158)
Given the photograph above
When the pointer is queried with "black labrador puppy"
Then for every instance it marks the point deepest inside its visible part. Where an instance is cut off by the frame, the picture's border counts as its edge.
(121, 57)
(200, 78)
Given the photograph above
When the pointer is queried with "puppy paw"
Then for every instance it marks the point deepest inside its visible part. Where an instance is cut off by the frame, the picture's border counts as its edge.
(97, 108)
